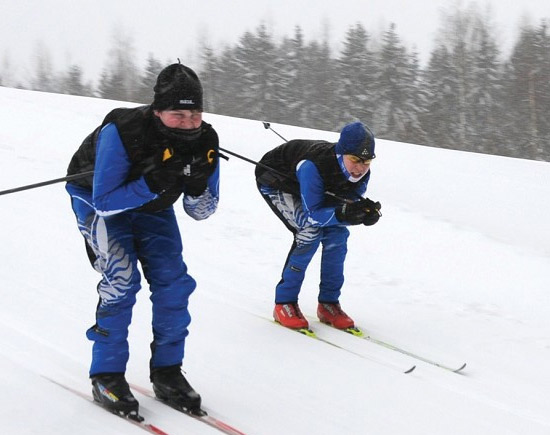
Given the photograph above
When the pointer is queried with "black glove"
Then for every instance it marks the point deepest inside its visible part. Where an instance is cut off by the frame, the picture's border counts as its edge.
(373, 212)
(196, 171)
(372, 217)
(164, 171)
(365, 212)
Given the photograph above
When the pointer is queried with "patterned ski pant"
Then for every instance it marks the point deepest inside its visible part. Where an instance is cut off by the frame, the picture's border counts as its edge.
(307, 238)
(115, 244)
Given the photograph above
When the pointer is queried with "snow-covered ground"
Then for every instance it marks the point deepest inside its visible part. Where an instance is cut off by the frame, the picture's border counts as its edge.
(457, 269)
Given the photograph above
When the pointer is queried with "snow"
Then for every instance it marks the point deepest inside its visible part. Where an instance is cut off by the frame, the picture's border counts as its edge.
(457, 270)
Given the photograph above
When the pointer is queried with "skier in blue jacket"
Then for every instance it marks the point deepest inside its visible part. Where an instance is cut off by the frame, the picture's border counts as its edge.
(143, 159)
(317, 189)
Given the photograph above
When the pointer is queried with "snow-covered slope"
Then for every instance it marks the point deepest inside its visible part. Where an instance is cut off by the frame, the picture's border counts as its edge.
(458, 269)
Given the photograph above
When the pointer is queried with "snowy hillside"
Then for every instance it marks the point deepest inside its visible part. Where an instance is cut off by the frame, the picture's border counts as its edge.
(457, 270)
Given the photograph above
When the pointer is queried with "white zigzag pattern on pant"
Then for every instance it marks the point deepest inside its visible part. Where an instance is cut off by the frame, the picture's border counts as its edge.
(293, 212)
(118, 267)
(120, 271)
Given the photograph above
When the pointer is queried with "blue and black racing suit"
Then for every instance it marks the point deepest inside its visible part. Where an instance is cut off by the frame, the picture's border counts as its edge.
(298, 185)
(124, 222)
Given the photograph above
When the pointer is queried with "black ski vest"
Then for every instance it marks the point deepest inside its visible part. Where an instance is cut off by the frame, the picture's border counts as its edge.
(142, 143)
(277, 168)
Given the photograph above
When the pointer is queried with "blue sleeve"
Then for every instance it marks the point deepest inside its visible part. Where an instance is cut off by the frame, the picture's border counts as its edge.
(213, 182)
(312, 192)
(111, 193)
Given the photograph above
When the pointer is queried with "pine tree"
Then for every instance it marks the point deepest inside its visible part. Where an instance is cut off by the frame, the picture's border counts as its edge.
(223, 84)
(144, 92)
(120, 80)
(73, 83)
(458, 37)
(541, 84)
(398, 108)
(254, 57)
(527, 96)
(320, 88)
(44, 78)
(356, 98)
(289, 81)
(485, 90)
(7, 72)
(441, 86)
(212, 78)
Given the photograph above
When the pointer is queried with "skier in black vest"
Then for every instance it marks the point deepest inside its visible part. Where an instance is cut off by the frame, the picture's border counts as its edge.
(317, 189)
(143, 159)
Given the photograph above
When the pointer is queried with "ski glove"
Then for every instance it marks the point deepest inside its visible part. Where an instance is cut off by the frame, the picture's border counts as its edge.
(197, 170)
(364, 212)
(164, 171)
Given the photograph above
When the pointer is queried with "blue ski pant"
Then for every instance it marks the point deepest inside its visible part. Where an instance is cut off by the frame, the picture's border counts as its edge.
(307, 238)
(114, 245)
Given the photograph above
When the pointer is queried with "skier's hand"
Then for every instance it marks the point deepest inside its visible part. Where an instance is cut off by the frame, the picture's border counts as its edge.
(197, 170)
(371, 218)
(164, 170)
(372, 212)
(364, 211)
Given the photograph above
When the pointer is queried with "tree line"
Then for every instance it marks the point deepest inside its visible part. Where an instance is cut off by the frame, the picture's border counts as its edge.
(468, 96)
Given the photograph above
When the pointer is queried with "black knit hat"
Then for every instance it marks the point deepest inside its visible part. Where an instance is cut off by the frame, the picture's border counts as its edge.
(177, 88)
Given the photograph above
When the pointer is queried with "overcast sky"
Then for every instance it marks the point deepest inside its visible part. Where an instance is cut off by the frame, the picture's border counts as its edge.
(80, 31)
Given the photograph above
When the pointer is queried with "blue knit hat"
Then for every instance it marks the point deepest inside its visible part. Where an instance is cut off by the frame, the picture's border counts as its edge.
(356, 139)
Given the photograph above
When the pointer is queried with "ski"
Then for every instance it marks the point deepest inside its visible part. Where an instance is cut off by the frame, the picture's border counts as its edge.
(358, 332)
(137, 421)
(312, 334)
(201, 416)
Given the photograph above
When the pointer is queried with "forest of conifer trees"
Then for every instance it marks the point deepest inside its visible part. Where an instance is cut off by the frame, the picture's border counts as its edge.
(468, 97)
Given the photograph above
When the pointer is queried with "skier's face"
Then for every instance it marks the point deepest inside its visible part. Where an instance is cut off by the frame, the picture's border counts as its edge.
(182, 119)
(356, 166)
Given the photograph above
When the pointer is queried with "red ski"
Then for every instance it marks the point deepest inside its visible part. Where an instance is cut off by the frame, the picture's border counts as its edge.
(204, 418)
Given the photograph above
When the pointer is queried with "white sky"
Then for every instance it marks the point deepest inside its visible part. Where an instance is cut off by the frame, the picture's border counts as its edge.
(81, 31)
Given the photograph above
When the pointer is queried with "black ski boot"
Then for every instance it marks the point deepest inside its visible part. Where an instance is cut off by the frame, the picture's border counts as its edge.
(171, 387)
(112, 392)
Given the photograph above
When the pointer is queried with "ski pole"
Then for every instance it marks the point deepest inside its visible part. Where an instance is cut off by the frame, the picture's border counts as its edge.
(254, 162)
(45, 183)
(267, 126)
(269, 168)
